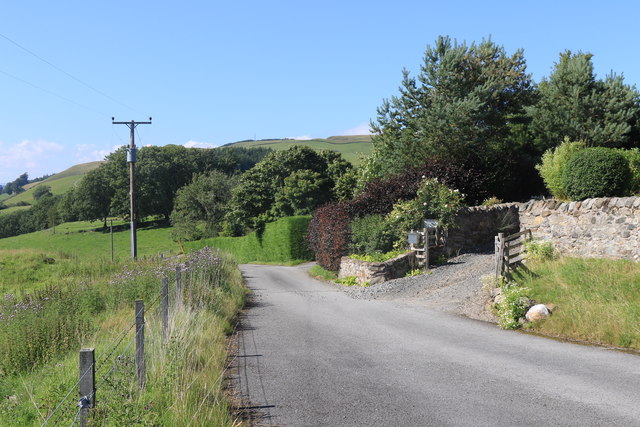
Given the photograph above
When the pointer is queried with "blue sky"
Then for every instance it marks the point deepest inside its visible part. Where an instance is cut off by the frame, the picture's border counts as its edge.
(212, 72)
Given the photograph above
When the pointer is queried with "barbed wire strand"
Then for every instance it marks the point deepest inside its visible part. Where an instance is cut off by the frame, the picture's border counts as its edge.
(126, 330)
(76, 417)
(68, 394)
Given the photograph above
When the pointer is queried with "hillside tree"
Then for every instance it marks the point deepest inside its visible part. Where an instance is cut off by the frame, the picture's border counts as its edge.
(200, 206)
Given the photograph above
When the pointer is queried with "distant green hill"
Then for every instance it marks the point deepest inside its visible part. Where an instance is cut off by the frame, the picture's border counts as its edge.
(352, 147)
(60, 183)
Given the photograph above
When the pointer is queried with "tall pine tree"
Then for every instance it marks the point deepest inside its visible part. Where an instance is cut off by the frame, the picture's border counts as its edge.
(574, 104)
(465, 105)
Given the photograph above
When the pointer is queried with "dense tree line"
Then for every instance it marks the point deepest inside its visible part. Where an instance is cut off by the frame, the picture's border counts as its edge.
(477, 106)
(104, 192)
(17, 186)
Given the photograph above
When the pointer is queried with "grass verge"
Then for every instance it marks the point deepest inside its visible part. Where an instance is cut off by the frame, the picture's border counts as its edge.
(598, 300)
(184, 375)
(322, 273)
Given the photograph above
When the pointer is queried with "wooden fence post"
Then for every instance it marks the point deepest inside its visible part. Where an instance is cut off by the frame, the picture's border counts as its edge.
(140, 365)
(165, 308)
(87, 385)
(500, 269)
(178, 287)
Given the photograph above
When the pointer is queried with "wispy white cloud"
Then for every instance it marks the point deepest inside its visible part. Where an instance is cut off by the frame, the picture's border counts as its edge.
(28, 154)
(196, 144)
(90, 152)
(361, 129)
(300, 138)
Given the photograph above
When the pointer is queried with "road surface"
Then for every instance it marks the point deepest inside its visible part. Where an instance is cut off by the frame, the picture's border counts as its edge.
(310, 355)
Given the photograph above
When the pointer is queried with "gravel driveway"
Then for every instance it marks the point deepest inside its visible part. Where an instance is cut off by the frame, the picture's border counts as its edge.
(455, 287)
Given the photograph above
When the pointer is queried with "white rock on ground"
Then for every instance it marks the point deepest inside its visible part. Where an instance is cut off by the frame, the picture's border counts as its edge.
(537, 312)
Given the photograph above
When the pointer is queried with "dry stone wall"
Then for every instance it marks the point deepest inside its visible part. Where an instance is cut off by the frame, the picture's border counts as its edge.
(598, 228)
(477, 226)
(377, 272)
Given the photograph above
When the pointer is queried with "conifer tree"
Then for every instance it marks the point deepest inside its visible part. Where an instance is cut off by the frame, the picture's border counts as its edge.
(574, 104)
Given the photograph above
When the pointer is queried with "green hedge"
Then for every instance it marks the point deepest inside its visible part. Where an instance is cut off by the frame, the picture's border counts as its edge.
(597, 172)
(282, 241)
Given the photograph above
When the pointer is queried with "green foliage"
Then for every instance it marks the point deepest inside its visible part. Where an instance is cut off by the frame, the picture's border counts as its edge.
(281, 241)
(433, 200)
(415, 272)
(303, 191)
(597, 172)
(200, 206)
(377, 256)
(513, 306)
(633, 158)
(370, 234)
(491, 201)
(538, 250)
(574, 105)
(464, 106)
(346, 185)
(42, 191)
(321, 273)
(16, 186)
(298, 179)
(348, 281)
(554, 165)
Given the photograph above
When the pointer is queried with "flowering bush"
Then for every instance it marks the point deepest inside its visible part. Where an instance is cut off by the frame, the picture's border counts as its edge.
(433, 200)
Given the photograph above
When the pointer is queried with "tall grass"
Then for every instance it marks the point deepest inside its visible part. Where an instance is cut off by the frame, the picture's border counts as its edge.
(184, 376)
(598, 300)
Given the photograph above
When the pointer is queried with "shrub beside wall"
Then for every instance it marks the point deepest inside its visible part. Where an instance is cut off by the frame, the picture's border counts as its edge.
(597, 172)
(281, 241)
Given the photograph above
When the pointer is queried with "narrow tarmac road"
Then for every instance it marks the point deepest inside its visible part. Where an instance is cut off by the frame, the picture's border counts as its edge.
(309, 355)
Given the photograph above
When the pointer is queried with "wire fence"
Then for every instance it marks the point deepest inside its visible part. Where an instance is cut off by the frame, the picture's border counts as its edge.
(120, 366)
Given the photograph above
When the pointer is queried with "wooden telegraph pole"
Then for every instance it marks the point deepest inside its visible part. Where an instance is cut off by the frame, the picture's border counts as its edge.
(131, 158)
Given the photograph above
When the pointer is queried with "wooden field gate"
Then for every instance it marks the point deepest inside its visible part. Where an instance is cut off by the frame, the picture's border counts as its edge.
(509, 252)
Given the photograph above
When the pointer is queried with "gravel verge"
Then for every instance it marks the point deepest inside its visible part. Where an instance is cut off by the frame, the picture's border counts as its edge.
(454, 287)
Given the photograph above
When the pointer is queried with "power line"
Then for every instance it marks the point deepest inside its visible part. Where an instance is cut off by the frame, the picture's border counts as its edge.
(52, 93)
(35, 55)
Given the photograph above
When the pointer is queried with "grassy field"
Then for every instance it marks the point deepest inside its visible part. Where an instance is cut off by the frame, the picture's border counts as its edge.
(13, 209)
(352, 147)
(80, 238)
(60, 183)
(598, 300)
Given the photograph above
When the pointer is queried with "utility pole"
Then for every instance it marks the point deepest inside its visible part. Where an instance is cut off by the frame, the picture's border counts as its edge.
(131, 158)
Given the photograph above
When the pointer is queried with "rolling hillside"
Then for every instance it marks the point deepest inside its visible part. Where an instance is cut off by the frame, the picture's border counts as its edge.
(60, 183)
(352, 147)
